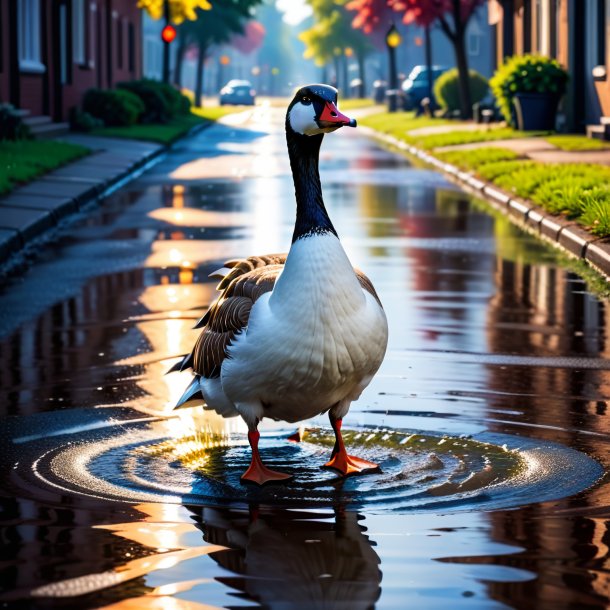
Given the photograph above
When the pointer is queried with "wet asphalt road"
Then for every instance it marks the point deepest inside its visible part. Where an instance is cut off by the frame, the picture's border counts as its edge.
(492, 340)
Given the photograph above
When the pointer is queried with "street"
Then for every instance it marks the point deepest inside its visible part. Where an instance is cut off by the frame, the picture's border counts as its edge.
(497, 363)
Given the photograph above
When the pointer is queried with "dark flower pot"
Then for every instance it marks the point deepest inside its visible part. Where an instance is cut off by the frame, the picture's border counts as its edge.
(536, 111)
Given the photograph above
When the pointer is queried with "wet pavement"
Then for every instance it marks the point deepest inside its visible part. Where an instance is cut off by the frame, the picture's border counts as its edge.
(488, 416)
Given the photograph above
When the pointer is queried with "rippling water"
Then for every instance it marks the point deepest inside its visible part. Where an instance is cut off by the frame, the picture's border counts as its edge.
(488, 417)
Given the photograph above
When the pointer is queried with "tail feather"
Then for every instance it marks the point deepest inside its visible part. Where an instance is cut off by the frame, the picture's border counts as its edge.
(192, 392)
(185, 363)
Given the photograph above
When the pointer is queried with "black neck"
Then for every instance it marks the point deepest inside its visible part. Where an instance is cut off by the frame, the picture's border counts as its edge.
(312, 217)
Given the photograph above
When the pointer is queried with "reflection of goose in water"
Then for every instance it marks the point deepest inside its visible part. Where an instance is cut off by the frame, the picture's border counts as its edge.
(295, 559)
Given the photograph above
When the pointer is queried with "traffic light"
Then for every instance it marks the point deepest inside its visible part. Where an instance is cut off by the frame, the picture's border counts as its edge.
(168, 33)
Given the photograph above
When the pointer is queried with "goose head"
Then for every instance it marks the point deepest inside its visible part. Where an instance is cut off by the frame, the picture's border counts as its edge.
(314, 111)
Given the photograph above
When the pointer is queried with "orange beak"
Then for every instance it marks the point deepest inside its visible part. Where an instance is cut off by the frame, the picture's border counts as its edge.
(331, 114)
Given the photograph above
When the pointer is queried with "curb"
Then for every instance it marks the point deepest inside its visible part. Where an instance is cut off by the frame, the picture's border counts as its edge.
(566, 235)
(31, 213)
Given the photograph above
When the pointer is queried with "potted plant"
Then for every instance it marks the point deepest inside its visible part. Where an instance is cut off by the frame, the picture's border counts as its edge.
(528, 89)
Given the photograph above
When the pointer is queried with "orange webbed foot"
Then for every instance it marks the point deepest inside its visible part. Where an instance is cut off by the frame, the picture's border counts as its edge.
(349, 464)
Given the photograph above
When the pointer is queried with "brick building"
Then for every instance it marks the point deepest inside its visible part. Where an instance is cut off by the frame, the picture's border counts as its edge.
(576, 33)
(52, 51)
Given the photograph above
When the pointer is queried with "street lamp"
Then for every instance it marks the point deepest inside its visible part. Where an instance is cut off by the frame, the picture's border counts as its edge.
(392, 40)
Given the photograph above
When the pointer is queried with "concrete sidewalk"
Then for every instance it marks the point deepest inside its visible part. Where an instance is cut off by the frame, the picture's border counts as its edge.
(30, 211)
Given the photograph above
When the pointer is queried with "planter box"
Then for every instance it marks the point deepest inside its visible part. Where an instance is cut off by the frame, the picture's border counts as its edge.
(536, 111)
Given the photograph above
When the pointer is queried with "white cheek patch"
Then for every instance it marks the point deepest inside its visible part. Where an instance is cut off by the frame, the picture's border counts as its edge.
(303, 119)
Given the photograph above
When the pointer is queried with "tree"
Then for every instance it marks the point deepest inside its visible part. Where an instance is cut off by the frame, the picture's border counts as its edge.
(251, 39)
(215, 26)
(332, 38)
(451, 15)
(179, 10)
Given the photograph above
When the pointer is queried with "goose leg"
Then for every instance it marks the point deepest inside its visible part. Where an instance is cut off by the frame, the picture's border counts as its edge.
(340, 460)
(257, 472)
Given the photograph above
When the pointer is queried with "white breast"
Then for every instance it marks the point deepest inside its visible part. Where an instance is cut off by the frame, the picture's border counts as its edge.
(312, 341)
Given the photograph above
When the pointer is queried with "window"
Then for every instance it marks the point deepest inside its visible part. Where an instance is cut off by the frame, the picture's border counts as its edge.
(131, 47)
(92, 25)
(119, 42)
(79, 28)
(28, 33)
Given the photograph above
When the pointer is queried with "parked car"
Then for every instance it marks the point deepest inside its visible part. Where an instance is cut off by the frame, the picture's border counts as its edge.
(238, 92)
(415, 86)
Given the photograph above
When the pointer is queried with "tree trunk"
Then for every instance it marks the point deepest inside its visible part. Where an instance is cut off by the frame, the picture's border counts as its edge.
(179, 59)
(324, 74)
(362, 89)
(345, 76)
(199, 76)
(335, 82)
(462, 66)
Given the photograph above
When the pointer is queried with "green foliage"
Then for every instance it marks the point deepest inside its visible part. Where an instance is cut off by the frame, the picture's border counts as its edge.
(83, 121)
(161, 101)
(526, 74)
(114, 107)
(24, 160)
(472, 159)
(491, 171)
(595, 206)
(12, 126)
(455, 138)
(574, 142)
(447, 88)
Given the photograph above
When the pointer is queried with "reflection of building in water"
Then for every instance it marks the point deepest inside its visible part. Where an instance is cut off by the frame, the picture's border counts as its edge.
(541, 311)
(295, 559)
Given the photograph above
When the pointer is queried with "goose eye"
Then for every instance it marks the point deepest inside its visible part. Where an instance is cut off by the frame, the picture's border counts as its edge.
(305, 99)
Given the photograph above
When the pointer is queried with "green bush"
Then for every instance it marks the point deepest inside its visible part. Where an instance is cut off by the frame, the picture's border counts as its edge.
(157, 108)
(447, 88)
(114, 107)
(162, 101)
(12, 126)
(178, 103)
(526, 74)
(83, 121)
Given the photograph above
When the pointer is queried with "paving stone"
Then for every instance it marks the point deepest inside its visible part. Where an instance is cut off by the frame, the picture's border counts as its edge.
(552, 225)
(519, 208)
(534, 218)
(598, 253)
(29, 223)
(10, 242)
(575, 239)
(58, 207)
(496, 195)
(83, 172)
(59, 189)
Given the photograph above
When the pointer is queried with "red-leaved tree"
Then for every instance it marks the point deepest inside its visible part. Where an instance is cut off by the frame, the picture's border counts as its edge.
(251, 39)
(451, 15)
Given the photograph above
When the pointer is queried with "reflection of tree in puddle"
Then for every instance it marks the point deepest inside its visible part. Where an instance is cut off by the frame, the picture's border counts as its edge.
(295, 559)
(542, 311)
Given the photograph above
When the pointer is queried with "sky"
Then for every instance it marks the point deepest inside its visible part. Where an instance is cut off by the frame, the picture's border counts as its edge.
(294, 10)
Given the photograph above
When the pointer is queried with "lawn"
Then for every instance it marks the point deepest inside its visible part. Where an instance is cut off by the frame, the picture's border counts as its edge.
(166, 133)
(574, 142)
(578, 191)
(24, 160)
(355, 103)
(401, 124)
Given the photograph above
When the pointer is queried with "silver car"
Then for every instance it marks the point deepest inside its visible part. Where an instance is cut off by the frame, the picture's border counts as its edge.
(239, 92)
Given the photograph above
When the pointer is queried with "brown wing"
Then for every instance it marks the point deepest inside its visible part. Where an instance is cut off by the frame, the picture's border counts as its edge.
(246, 281)
(228, 315)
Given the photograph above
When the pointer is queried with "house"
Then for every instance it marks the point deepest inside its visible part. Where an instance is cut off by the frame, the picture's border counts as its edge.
(52, 51)
(576, 33)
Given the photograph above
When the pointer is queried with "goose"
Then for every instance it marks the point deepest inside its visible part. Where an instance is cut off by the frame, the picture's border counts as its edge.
(292, 336)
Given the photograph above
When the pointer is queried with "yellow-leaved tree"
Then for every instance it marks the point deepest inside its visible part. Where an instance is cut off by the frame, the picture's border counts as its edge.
(179, 10)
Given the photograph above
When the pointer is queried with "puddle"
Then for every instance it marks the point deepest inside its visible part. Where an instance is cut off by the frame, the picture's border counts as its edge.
(498, 361)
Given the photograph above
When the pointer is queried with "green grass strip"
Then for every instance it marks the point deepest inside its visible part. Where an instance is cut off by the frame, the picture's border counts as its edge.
(24, 160)
(574, 143)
